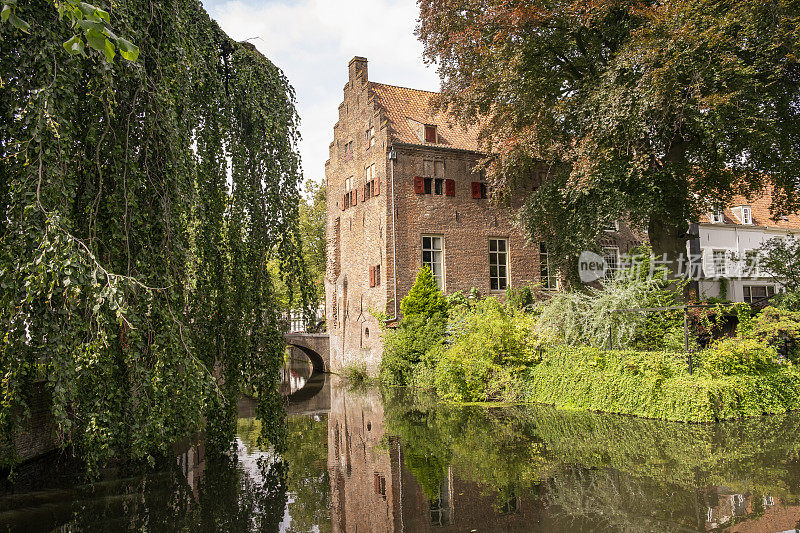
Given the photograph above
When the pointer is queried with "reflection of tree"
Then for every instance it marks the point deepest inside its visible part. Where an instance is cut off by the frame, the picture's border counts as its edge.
(229, 500)
(612, 464)
(248, 431)
(308, 480)
(588, 499)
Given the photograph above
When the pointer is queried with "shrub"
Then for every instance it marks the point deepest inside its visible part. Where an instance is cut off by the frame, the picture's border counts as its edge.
(595, 317)
(456, 300)
(779, 328)
(422, 328)
(733, 356)
(425, 299)
(355, 374)
(519, 298)
(405, 346)
(490, 345)
(789, 300)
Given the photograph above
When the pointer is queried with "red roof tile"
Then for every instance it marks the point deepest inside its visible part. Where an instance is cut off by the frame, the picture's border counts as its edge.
(759, 207)
(400, 104)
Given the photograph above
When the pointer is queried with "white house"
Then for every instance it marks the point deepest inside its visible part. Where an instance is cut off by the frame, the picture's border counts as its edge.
(728, 241)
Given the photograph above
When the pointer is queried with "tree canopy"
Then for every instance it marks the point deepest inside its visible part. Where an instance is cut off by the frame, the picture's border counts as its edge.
(653, 111)
(140, 203)
(313, 219)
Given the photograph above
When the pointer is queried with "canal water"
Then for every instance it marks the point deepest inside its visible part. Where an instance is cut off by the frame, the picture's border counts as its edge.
(367, 460)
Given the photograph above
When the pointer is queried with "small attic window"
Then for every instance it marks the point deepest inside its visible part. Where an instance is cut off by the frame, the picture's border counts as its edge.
(747, 215)
(430, 133)
(716, 217)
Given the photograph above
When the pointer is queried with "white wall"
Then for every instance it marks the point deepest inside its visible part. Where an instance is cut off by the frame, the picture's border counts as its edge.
(738, 240)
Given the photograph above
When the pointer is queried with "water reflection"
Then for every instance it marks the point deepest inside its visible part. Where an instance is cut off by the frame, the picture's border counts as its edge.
(372, 461)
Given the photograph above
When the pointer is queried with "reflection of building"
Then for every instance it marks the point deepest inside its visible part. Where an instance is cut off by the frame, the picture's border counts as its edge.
(363, 469)
(749, 513)
(190, 456)
(373, 491)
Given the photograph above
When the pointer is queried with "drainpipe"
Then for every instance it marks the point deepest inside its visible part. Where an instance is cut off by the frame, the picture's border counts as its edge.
(392, 158)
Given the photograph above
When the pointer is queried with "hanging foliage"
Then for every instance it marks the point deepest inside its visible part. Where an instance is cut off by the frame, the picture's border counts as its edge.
(141, 201)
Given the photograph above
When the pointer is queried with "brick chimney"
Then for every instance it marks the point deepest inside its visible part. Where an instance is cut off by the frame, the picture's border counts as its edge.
(358, 69)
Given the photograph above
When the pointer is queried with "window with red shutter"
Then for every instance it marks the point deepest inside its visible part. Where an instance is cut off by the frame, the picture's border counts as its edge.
(450, 187)
(343, 198)
(430, 134)
(419, 185)
(371, 276)
(376, 189)
(366, 192)
(355, 197)
(476, 189)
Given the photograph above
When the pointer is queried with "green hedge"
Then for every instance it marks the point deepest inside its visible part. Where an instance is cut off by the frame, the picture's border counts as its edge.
(656, 385)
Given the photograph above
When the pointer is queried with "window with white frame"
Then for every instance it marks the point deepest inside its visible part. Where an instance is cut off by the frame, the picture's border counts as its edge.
(717, 217)
(751, 265)
(498, 264)
(611, 226)
(719, 261)
(611, 257)
(348, 192)
(441, 506)
(433, 257)
(747, 215)
(547, 274)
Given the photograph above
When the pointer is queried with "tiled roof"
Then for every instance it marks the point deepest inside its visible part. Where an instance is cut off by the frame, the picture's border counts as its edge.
(759, 206)
(400, 104)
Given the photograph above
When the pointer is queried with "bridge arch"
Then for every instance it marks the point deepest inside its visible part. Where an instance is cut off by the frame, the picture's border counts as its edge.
(316, 346)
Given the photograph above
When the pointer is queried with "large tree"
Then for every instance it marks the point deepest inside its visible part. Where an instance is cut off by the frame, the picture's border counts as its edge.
(140, 203)
(650, 110)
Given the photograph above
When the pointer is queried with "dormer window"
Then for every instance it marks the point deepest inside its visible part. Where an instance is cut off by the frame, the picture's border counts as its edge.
(430, 133)
(611, 226)
(747, 215)
(716, 217)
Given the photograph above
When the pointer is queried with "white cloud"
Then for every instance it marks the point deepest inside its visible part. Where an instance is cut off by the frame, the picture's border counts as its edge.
(313, 40)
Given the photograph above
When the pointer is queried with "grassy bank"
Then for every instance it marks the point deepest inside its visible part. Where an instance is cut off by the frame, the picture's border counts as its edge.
(655, 385)
(553, 352)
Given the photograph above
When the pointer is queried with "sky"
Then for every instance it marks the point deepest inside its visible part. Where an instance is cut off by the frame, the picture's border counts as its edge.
(312, 41)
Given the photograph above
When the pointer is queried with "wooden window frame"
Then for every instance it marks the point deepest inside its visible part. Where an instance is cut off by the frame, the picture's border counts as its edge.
(499, 260)
(440, 253)
(430, 134)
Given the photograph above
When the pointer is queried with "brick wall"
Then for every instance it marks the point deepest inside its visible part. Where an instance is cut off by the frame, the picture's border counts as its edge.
(37, 435)
(465, 223)
(356, 235)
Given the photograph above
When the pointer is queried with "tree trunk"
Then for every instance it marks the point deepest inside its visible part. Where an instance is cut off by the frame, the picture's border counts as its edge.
(668, 242)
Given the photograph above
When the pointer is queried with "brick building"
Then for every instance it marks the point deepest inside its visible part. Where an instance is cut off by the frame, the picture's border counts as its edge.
(403, 191)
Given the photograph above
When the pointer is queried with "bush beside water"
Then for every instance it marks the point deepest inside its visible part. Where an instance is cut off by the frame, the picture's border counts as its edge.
(554, 352)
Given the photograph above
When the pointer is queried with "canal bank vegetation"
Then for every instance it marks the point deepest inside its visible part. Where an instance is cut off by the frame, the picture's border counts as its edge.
(556, 352)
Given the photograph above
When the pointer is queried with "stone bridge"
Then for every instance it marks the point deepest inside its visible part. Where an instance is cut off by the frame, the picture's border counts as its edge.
(315, 345)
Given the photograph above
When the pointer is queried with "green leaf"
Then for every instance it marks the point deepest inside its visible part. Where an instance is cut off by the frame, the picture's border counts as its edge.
(110, 51)
(87, 9)
(96, 40)
(4, 14)
(89, 25)
(75, 45)
(128, 50)
(103, 15)
(18, 23)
